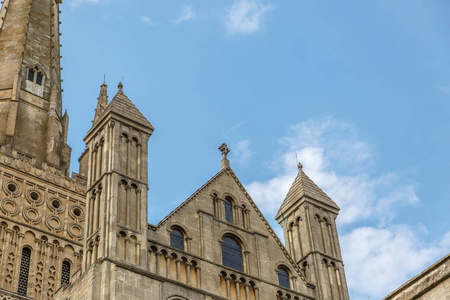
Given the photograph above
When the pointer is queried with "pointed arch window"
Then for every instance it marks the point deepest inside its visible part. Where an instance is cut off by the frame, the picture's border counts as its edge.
(228, 210)
(232, 254)
(177, 239)
(65, 272)
(283, 278)
(24, 270)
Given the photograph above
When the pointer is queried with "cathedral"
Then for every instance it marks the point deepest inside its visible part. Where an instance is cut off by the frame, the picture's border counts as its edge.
(86, 236)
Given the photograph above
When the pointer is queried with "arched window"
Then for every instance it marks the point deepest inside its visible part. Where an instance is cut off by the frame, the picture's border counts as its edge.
(232, 254)
(214, 204)
(24, 270)
(228, 210)
(243, 216)
(65, 272)
(177, 239)
(283, 278)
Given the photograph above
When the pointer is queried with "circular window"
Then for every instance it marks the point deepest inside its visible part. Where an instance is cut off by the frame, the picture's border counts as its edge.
(34, 196)
(12, 188)
(77, 212)
(56, 204)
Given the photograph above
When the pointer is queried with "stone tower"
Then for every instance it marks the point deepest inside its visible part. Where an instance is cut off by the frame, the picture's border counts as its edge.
(115, 163)
(307, 216)
(31, 119)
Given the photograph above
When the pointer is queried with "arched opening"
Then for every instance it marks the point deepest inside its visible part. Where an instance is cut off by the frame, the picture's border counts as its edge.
(24, 270)
(177, 238)
(65, 272)
(283, 277)
(229, 209)
(232, 254)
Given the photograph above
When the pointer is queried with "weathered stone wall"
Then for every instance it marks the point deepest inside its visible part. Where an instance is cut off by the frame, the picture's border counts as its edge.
(432, 284)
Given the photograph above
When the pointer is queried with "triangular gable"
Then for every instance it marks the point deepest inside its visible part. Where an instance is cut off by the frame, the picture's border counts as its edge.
(229, 171)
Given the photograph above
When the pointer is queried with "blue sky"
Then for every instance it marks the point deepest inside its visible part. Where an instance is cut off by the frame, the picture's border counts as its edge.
(358, 90)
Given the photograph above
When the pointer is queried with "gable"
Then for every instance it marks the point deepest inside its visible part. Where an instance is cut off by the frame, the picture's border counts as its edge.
(205, 226)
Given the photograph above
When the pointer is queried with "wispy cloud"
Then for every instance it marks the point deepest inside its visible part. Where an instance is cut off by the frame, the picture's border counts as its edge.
(187, 13)
(341, 162)
(246, 16)
(445, 90)
(76, 3)
(241, 151)
(147, 20)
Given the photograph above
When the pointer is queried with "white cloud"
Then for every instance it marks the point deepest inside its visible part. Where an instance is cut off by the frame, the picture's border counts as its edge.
(386, 258)
(147, 20)
(187, 13)
(342, 163)
(75, 3)
(246, 16)
(339, 161)
(241, 151)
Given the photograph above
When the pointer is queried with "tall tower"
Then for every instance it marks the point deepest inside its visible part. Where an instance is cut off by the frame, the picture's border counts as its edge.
(30, 84)
(116, 196)
(307, 216)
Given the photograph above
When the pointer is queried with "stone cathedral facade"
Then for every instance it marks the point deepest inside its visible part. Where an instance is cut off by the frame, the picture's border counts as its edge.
(86, 236)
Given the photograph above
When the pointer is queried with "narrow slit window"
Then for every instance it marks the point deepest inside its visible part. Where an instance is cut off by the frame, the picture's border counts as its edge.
(24, 270)
(228, 210)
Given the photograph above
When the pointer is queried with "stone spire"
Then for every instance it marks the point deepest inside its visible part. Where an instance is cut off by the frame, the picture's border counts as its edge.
(225, 163)
(102, 101)
(30, 83)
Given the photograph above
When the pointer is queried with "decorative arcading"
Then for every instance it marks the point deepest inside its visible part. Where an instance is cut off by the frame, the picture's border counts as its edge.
(48, 172)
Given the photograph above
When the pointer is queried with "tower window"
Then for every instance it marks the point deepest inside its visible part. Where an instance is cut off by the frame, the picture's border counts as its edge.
(232, 254)
(177, 239)
(39, 78)
(31, 75)
(24, 270)
(283, 278)
(228, 210)
(65, 272)
(35, 75)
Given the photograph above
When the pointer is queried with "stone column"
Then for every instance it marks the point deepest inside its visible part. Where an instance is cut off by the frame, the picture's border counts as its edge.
(188, 273)
(178, 263)
(158, 261)
(228, 287)
(168, 266)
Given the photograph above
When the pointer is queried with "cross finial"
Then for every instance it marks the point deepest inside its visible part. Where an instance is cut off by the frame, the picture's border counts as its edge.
(225, 162)
(120, 86)
(300, 166)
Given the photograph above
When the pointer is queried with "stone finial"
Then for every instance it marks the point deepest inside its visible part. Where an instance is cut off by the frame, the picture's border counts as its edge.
(102, 101)
(120, 86)
(225, 162)
(300, 166)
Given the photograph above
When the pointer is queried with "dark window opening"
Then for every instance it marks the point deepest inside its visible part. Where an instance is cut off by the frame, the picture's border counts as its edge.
(30, 75)
(24, 270)
(177, 239)
(283, 278)
(39, 77)
(232, 254)
(228, 210)
(65, 273)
